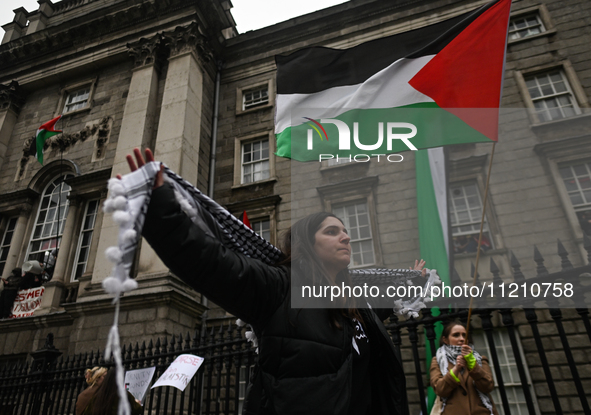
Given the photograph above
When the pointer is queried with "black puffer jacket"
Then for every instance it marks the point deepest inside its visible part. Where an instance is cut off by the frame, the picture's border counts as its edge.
(305, 364)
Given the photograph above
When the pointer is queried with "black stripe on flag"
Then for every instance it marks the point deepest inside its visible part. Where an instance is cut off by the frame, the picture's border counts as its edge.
(318, 68)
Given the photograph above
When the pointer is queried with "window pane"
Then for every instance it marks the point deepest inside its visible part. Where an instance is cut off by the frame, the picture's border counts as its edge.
(362, 247)
(255, 161)
(46, 226)
(255, 97)
(551, 95)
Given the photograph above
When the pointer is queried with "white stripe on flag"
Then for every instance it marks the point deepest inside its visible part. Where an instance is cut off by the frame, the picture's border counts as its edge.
(437, 166)
(388, 88)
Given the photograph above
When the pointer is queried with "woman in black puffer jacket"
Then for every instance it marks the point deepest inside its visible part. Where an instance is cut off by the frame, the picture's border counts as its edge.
(311, 361)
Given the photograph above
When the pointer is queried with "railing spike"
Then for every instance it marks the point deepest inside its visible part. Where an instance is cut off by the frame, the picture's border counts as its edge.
(495, 271)
(187, 341)
(539, 259)
(563, 253)
(157, 346)
(149, 352)
(517, 274)
(136, 350)
(179, 346)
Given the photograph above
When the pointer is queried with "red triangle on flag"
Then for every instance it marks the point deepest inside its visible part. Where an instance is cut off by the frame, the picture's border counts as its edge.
(244, 219)
(50, 125)
(468, 72)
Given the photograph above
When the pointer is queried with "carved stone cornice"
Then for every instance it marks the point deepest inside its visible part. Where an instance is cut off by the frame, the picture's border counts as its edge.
(147, 51)
(92, 184)
(12, 96)
(188, 39)
(21, 200)
(48, 41)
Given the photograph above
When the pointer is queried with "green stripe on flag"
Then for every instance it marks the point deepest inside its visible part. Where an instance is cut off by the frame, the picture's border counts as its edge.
(435, 127)
(42, 136)
(431, 238)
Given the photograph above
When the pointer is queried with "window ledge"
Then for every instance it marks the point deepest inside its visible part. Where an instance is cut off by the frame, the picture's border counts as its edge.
(536, 36)
(561, 123)
(242, 186)
(254, 109)
(344, 166)
(76, 112)
(498, 251)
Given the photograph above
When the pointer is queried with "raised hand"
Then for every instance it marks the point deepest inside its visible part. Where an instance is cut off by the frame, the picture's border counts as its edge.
(141, 162)
(419, 265)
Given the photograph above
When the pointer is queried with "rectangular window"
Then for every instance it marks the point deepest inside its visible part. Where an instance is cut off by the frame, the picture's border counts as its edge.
(465, 209)
(85, 239)
(551, 95)
(524, 26)
(51, 219)
(262, 227)
(508, 366)
(255, 161)
(356, 219)
(6, 239)
(255, 97)
(77, 100)
(577, 180)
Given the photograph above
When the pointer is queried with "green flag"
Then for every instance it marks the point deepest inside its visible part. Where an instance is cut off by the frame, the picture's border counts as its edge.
(43, 133)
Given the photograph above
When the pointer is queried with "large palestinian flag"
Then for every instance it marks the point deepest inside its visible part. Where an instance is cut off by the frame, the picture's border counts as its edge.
(429, 87)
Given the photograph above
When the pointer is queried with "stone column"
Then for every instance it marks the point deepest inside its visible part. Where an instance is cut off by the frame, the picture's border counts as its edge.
(177, 140)
(136, 129)
(16, 244)
(92, 254)
(179, 127)
(11, 99)
(67, 249)
(55, 288)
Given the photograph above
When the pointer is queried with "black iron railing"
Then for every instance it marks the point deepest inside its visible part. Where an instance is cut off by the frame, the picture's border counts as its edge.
(50, 384)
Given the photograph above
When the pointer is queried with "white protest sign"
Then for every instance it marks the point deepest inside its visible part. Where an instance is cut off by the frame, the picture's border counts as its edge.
(180, 372)
(26, 302)
(138, 381)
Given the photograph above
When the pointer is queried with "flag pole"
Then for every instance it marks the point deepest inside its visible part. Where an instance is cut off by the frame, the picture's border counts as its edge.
(59, 197)
(492, 153)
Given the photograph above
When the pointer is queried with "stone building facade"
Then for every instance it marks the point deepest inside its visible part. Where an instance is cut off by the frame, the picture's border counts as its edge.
(145, 75)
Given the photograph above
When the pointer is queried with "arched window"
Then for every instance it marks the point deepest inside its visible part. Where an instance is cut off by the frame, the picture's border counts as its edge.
(51, 219)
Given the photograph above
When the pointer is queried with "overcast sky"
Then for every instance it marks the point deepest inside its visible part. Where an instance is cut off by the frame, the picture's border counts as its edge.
(249, 14)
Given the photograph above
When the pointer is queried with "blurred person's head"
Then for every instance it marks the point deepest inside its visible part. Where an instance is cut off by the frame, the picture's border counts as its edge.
(95, 375)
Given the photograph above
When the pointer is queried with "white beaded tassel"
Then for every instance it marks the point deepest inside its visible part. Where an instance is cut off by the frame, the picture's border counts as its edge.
(127, 199)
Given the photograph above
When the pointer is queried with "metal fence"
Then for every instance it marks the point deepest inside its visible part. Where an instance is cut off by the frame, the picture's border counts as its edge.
(51, 384)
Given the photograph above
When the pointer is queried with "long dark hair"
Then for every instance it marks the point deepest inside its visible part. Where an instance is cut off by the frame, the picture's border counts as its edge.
(298, 247)
(107, 395)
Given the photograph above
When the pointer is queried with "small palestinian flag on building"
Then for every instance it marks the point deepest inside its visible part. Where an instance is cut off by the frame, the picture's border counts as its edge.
(429, 87)
(43, 133)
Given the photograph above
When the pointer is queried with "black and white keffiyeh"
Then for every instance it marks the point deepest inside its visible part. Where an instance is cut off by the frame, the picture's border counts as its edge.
(447, 354)
(129, 199)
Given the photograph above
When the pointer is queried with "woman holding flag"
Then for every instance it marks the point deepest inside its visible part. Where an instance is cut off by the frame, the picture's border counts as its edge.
(311, 361)
(460, 376)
